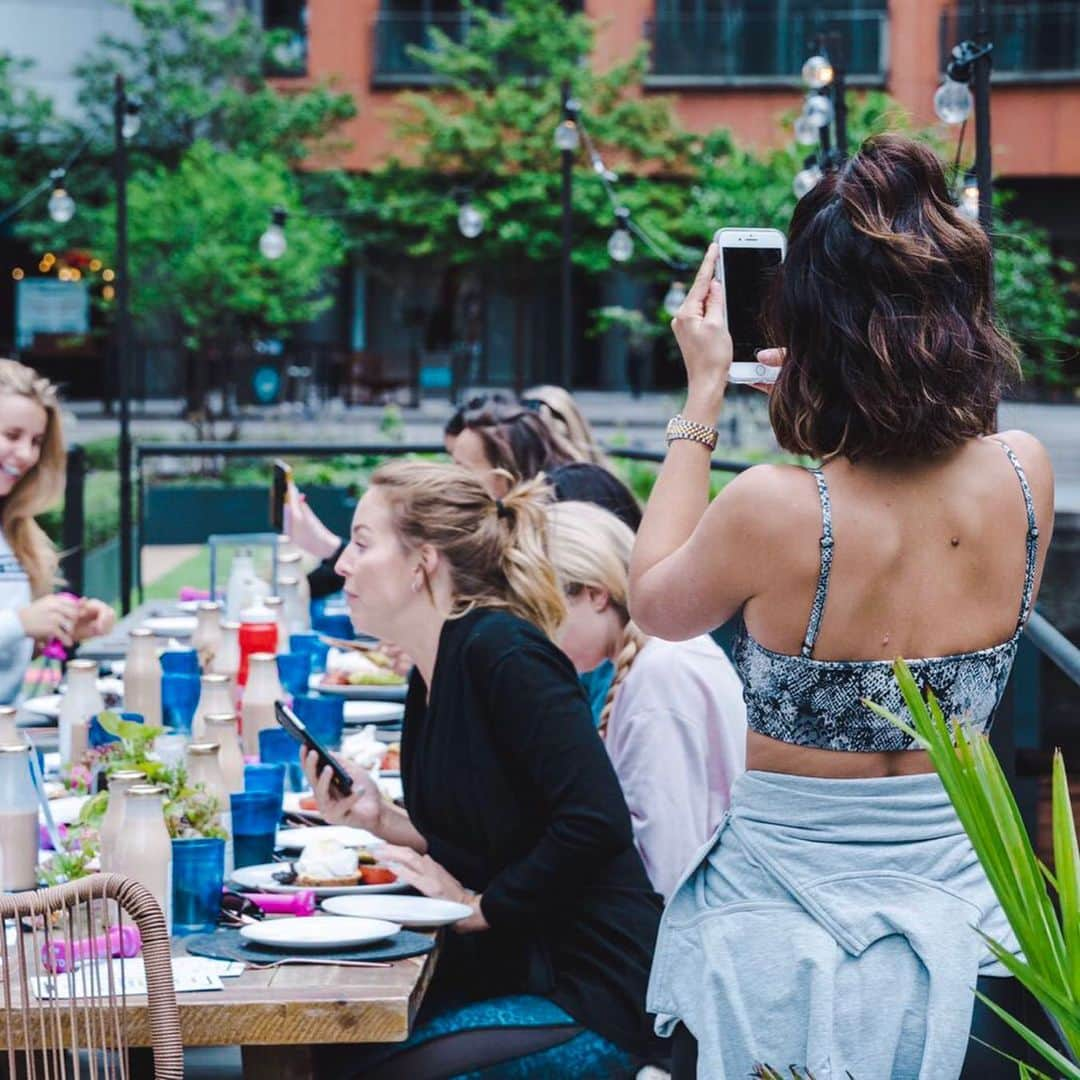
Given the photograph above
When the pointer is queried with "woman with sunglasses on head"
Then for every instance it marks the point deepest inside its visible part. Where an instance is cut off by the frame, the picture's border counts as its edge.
(511, 804)
(558, 409)
(835, 921)
(32, 481)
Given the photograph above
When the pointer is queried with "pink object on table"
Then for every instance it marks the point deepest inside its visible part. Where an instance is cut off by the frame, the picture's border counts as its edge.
(300, 903)
(116, 941)
(189, 592)
(55, 650)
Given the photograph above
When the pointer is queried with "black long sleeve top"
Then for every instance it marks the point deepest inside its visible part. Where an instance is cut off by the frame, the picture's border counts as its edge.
(507, 780)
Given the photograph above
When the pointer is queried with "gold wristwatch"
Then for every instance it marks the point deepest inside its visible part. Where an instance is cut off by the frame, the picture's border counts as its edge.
(681, 428)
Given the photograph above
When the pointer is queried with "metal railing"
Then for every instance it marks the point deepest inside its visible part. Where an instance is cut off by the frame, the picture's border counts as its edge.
(741, 48)
(1033, 42)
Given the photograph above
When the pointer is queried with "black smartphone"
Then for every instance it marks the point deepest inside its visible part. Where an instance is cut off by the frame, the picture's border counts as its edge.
(341, 781)
(279, 490)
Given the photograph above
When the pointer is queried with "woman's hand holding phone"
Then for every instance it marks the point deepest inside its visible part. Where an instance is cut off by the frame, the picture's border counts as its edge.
(362, 808)
(700, 328)
(770, 358)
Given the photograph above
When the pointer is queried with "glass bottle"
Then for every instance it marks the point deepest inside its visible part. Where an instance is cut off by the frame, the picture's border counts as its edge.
(276, 605)
(291, 565)
(244, 586)
(18, 820)
(143, 848)
(113, 821)
(9, 731)
(82, 701)
(222, 729)
(207, 633)
(142, 677)
(257, 709)
(204, 767)
(215, 696)
(227, 658)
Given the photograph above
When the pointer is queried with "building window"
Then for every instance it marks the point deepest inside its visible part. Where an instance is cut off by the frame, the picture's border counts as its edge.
(762, 42)
(287, 23)
(1033, 41)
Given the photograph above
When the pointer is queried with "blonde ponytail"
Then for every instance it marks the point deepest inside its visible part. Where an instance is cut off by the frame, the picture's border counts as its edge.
(495, 548)
(590, 549)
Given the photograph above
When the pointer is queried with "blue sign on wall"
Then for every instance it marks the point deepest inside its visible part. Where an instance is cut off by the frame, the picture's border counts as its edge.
(266, 382)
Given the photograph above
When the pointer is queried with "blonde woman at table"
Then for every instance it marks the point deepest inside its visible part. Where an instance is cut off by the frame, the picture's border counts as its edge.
(31, 482)
(673, 722)
(833, 923)
(513, 808)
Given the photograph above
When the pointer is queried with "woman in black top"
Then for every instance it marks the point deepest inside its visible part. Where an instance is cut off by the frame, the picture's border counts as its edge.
(513, 806)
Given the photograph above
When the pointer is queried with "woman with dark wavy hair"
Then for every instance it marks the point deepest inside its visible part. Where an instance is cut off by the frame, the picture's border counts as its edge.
(831, 921)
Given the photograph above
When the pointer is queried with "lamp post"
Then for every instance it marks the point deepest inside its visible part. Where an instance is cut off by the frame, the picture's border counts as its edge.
(122, 339)
(981, 84)
(567, 141)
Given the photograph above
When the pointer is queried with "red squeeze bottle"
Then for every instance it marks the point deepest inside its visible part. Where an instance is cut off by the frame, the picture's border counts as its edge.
(258, 633)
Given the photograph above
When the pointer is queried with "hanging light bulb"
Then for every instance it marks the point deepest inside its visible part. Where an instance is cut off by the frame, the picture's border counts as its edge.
(952, 101)
(806, 180)
(968, 202)
(806, 131)
(818, 110)
(620, 245)
(61, 205)
(674, 298)
(272, 243)
(132, 121)
(817, 72)
(470, 221)
(567, 136)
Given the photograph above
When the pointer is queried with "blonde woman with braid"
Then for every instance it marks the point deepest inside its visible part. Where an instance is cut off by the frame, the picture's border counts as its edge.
(512, 806)
(674, 721)
(31, 482)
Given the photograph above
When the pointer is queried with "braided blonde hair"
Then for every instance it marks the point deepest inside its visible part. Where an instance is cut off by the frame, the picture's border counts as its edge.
(495, 548)
(42, 486)
(590, 548)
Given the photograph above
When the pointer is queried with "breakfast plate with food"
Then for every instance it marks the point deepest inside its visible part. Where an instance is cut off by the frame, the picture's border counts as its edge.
(362, 676)
(327, 868)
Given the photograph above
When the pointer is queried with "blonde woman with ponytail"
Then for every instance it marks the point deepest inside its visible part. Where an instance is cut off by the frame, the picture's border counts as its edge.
(674, 721)
(512, 806)
(31, 482)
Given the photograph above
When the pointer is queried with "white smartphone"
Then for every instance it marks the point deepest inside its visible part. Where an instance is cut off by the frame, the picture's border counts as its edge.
(747, 263)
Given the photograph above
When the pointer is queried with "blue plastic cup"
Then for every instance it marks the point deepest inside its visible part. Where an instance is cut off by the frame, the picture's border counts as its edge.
(180, 661)
(255, 817)
(198, 874)
(97, 736)
(277, 746)
(314, 646)
(179, 699)
(324, 717)
(267, 776)
(334, 624)
(294, 670)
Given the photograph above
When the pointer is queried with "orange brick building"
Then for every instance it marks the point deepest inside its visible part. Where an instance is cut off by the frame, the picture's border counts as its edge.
(727, 63)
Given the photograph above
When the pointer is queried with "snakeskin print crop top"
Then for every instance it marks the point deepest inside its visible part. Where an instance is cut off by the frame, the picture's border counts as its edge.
(818, 703)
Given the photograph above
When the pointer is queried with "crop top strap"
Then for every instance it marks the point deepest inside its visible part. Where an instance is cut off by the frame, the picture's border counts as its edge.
(1032, 536)
(826, 564)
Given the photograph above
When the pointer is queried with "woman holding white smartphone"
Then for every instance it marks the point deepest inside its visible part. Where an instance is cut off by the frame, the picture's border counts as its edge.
(831, 923)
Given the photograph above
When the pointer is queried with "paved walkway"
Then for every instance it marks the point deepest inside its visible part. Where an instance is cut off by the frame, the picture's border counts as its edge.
(617, 417)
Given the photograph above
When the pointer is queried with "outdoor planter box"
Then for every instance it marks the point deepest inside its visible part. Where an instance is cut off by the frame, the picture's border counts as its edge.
(189, 513)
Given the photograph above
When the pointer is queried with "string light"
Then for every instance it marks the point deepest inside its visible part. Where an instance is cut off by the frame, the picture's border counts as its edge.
(620, 245)
(817, 72)
(272, 243)
(18, 274)
(952, 101)
(818, 110)
(470, 221)
(108, 292)
(567, 138)
(968, 202)
(674, 298)
(806, 131)
(132, 121)
(95, 265)
(807, 178)
(61, 205)
(108, 275)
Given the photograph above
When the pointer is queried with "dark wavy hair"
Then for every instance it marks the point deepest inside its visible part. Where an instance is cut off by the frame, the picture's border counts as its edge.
(884, 306)
(515, 439)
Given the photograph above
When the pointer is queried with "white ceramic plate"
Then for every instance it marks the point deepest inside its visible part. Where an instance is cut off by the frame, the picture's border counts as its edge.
(318, 932)
(261, 879)
(44, 706)
(171, 625)
(359, 693)
(420, 912)
(298, 839)
(374, 712)
(391, 787)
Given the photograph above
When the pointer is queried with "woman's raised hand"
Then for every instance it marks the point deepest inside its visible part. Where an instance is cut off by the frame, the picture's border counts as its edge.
(51, 617)
(362, 807)
(770, 358)
(700, 328)
(305, 529)
(95, 619)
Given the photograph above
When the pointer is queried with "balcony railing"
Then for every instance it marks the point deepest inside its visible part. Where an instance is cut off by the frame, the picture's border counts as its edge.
(1033, 42)
(737, 48)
